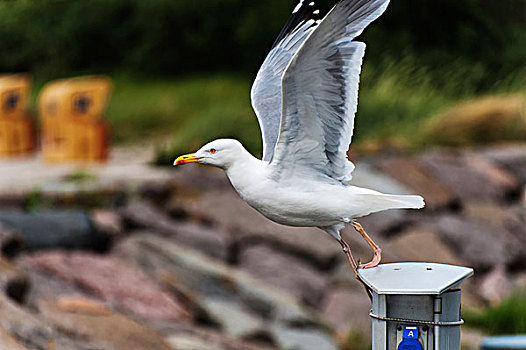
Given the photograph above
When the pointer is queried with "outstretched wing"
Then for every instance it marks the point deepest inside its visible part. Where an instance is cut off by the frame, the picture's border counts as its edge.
(320, 92)
(266, 90)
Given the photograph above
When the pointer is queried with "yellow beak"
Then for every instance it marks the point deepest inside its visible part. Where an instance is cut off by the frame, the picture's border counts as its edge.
(185, 159)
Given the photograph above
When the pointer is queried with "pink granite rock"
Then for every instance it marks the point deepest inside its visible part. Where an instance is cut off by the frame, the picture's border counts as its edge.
(111, 279)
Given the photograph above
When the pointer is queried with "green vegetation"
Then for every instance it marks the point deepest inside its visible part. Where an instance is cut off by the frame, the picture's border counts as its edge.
(395, 102)
(165, 56)
(188, 111)
(58, 37)
(80, 177)
(508, 317)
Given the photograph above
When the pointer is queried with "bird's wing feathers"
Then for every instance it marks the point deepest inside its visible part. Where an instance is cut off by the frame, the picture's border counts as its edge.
(266, 90)
(320, 92)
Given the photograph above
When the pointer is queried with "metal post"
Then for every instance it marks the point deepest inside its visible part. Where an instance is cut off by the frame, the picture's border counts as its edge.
(416, 306)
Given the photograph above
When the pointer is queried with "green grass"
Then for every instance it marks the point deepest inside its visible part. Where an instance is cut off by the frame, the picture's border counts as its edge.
(508, 317)
(180, 114)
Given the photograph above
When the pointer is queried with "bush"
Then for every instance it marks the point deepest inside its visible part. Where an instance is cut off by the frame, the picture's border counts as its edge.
(509, 317)
(58, 37)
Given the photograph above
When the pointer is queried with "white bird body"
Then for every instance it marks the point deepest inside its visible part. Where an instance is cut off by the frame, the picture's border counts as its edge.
(305, 97)
(300, 200)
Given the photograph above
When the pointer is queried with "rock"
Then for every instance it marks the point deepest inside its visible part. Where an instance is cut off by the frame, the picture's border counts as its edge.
(467, 176)
(303, 338)
(491, 214)
(233, 318)
(141, 214)
(45, 286)
(80, 304)
(157, 191)
(202, 178)
(13, 281)
(11, 242)
(420, 243)
(301, 280)
(480, 246)
(201, 275)
(107, 222)
(26, 327)
(212, 241)
(365, 175)
(408, 172)
(205, 278)
(77, 188)
(496, 285)
(510, 156)
(191, 337)
(510, 219)
(8, 342)
(230, 213)
(12, 200)
(346, 309)
(64, 228)
(113, 280)
(105, 329)
(190, 342)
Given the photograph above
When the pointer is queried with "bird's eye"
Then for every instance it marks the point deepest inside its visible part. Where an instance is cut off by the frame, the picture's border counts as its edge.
(213, 150)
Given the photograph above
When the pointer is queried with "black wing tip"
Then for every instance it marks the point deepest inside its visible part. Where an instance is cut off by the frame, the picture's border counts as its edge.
(304, 11)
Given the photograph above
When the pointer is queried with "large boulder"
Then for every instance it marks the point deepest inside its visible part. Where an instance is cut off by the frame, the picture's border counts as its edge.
(111, 279)
(214, 286)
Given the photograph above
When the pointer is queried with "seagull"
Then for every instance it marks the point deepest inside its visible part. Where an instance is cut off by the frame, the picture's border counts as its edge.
(305, 96)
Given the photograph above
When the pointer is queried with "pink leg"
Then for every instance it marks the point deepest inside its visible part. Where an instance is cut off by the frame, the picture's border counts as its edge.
(376, 249)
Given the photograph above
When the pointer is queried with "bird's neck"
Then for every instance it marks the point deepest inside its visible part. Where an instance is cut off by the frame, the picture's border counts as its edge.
(244, 171)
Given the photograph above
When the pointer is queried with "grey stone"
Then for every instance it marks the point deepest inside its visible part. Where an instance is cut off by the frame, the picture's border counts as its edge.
(212, 241)
(510, 156)
(232, 317)
(107, 222)
(88, 320)
(27, 327)
(51, 229)
(11, 242)
(469, 177)
(502, 218)
(141, 214)
(496, 285)
(191, 342)
(302, 339)
(111, 279)
(191, 337)
(45, 286)
(203, 276)
(408, 172)
(226, 210)
(346, 309)
(480, 246)
(14, 282)
(420, 243)
(365, 175)
(301, 280)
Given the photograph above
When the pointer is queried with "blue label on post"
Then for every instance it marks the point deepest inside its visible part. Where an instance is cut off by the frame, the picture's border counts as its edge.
(410, 344)
(410, 332)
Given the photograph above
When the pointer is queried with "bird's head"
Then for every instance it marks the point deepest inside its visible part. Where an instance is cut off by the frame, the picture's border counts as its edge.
(220, 153)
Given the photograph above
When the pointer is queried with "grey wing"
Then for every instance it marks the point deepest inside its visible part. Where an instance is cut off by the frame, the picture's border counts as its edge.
(320, 93)
(266, 90)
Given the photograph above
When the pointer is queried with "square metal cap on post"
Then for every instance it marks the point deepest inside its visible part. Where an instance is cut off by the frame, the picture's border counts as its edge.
(415, 305)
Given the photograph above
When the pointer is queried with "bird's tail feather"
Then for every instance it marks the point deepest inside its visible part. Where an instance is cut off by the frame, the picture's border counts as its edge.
(379, 202)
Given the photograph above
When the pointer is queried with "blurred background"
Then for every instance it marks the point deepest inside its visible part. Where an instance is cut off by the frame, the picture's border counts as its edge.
(442, 112)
